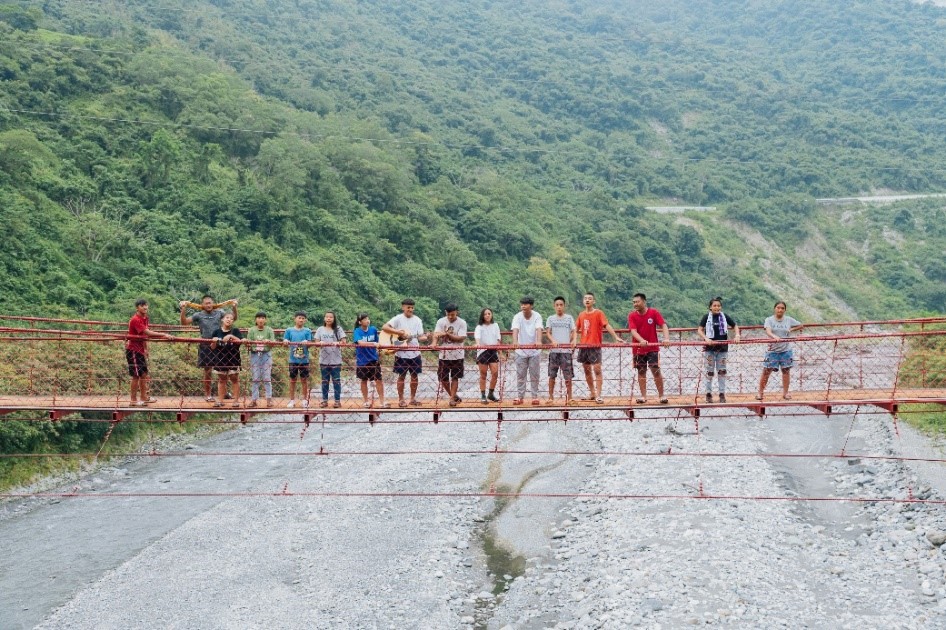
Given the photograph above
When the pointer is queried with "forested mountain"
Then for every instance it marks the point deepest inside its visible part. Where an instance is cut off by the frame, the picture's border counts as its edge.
(342, 153)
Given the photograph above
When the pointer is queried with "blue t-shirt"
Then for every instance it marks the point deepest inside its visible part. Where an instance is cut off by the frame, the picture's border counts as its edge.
(298, 354)
(363, 354)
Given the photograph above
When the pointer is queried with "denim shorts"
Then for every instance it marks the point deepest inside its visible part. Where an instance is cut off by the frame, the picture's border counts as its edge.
(778, 360)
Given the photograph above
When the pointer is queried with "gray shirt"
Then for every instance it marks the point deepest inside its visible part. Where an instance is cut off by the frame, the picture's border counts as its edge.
(329, 355)
(561, 329)
(782, 329)
(208, 322)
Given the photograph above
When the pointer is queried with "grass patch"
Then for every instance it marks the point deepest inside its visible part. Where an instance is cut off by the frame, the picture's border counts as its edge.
(928, 418)
(65, 437)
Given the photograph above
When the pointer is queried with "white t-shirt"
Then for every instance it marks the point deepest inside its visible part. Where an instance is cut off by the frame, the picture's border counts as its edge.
(456, 328)
(414, 327)
(529, 331)
(486, 335)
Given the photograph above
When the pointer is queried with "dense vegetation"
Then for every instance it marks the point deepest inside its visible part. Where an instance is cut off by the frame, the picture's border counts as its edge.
(341, 154)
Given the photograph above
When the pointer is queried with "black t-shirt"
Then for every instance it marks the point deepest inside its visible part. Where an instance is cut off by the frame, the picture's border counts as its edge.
(226, 354)
(717, 335)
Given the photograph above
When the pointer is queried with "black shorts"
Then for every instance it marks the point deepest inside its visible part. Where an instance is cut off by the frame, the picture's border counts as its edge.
(561, 361)
(205, 356)
(641, 361)
(488, 356)
(589, 355)
(370, 371)
(413, 366)
(298, 370)
(137, 363)
(449, 369)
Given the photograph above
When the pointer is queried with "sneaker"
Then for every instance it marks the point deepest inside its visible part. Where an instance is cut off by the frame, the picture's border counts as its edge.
(228, 395)
(483, 399)
(492, 398)
(305, 404)
(291, 404)
(709, 397)
(722, 398)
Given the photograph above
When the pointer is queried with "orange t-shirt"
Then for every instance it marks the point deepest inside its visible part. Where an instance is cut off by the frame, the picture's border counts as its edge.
(591, 327)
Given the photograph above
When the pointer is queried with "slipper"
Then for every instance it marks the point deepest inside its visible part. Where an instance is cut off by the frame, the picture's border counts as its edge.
(758, 396)
(414, 402)
(324, 403)
(641, 401)
(589, 398)
(218, 404)
(269, 402)
(452, 403)
(599, 400)
(209, 399)
(138, 403)
(535, 401)
(664, 401)
(517, 401)
(367, 405)
(150, 401)
(336, 404)
(572, 402)
(402, 404)
(787, 397)
(550, 401)
(235, 405)
(386, 405)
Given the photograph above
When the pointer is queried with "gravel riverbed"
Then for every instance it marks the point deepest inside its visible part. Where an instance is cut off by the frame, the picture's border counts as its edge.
(453, 562)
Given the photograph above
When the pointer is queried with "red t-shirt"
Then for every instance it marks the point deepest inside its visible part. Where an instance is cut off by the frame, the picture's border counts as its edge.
(646, 325)
(137, 326)
(591, 327)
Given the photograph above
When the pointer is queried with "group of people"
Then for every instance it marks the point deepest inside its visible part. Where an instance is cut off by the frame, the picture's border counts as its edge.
(560, 333)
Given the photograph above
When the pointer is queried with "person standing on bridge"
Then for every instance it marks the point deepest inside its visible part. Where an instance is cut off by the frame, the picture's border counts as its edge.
(527, 330)
(296, 338)
(408, 328)
(487, 333)
(562, 334)
(591, 324)
(714, 330)
(450, 332)
(136, 354)
(643, 322)
(261, 337)
(225, 345)
(208, 319)
(330, 334)
(779, 356)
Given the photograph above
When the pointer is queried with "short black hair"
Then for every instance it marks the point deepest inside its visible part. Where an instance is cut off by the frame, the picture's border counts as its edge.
(407, 302)
(641, 296)
(449, 308)
(261, 314)
(782, 303)
(141, 302)
(528, 299)
(301, 313)
(557, 298)
(589, 293)
(207, 296)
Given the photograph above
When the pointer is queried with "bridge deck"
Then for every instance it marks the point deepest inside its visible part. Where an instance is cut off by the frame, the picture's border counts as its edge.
(60, 405)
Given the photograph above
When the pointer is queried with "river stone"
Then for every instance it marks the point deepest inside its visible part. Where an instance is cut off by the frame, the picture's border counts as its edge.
(936, 537)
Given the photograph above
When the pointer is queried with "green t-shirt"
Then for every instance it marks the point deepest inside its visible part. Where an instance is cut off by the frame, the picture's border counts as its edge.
(255, 334)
